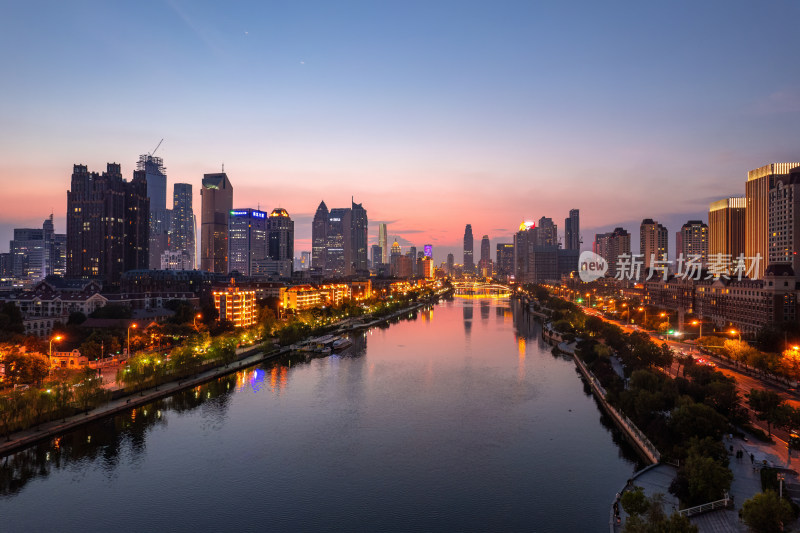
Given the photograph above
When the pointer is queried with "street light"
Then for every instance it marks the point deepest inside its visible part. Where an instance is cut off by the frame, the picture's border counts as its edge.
(736, 332)
(695, 323)
(129, 337)
(644, 322)
(57, 338)
(194, 320)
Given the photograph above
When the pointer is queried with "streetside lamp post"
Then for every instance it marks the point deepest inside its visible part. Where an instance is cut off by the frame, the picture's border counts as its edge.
(736, 332)
(57, 338)
(194, 320)
(644, 322)
(129, 337)
(698, 322)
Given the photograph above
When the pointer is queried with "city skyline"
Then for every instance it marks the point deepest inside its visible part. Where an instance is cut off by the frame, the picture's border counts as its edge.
(301, 104)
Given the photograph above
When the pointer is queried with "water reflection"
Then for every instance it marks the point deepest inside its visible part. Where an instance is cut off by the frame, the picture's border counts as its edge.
(486, 306)
(467, 306)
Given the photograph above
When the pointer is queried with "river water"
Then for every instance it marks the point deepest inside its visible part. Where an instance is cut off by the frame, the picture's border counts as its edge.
(455, 418)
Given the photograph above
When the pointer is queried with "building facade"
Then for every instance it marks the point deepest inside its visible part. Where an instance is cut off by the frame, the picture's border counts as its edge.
(247, 239)
(784, 220)
(217, 203)
(572, 231)
(726, 227)
(108, 222)
(182, 230)
(469, 243)
(692, 240)
(653, 242)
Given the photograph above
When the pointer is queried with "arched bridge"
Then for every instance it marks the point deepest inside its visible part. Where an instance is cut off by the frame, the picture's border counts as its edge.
(477, 289)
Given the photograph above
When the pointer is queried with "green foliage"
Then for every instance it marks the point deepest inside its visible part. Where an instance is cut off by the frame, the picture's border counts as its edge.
(769, 407)
(10, 321)
(652, 519)
(634, 501)
(702, 476)
(690, 419)
(24, 368)
(766, 513)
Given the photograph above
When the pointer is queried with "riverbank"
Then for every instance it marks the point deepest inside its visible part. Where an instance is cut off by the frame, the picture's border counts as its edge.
(246, 358)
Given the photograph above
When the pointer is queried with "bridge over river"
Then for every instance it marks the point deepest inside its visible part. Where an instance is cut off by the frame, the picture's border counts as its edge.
(477, 289)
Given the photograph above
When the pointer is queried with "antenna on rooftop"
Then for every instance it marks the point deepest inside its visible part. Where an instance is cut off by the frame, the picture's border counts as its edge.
(223, 170)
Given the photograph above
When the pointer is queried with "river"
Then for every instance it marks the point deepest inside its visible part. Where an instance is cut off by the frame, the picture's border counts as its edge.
(455, 418)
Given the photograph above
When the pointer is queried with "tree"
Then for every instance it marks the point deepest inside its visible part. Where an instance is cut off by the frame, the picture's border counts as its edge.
(634, 501)
(701, 479)
(650, 517)
(25, 367)
(10, 321)
(88, 389)
(766, 512)
(768, 406)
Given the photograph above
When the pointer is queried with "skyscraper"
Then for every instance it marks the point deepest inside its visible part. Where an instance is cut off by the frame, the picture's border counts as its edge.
(469, 243)
(784, 220)
(611, 245)
(182, 238)
(217, 203)
(107, 223)
(726, 223)
(428, 249)
(359, 239)
(377, 256)
(572, 231)
(319, 239)
(547, 234)
(338, 263)
(450, 264)
(759, 183)
(692, 240)
(156, 178)
(504, 262)
(280, 230)
(653, 242)
(247, 239)
(383, 242)
(524, 241)
(485, 262)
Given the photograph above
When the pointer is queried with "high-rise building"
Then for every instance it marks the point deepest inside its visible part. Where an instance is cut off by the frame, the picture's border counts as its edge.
(485, 262)
(547, 234)
(107, 223)
(37, 252)
(319, 239)
(339, 263)
(504, 262)
(572, 231)
(182, 235)
(412, 255)
(469, 243)
(156, 178)
(653, 242)
(176, 260)
(217, 203)
(383, 242)
(305, 260)
(247, 239)
(236, 305)
(280, 231)
(6, 268)
(726, 227)
(377, 256)
(611, 246)
(450, 264)
(692, 240)
(359, 239)
(759, 183)
(428, 249)
(784, 220)
(524, 241)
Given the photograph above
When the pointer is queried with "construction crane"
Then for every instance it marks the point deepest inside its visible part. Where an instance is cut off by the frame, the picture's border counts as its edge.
(156, 148)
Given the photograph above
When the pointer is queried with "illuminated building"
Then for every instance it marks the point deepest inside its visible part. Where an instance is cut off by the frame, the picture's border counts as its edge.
(427, 267)
(377, 256)
(759, 183)
(692, 240)
(37, 252)
(524, 241)
(383, 242)
(450, 264)
(182, 232)
(160, 216)
(176, 260)
(469, 243)
(504, 260)
(359, 239)
(335, 293)
(217, 203)
(339, 246)
(485, 262)
(107, 223)
(547, 234)
(280, 235)
(653, 241)
(247, 239)
(726, 223)
(236, 305)
(319, 239)
(784, 220)
(572, 231)
(301, 297)
(428, 249)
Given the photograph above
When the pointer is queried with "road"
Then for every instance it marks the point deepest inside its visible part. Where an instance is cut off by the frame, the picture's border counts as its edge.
(744, 382)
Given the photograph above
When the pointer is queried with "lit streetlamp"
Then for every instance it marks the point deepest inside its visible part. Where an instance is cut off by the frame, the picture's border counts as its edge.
(57, 338)
(736, 332)
(194, 320)
(129, 337)
(700, 323)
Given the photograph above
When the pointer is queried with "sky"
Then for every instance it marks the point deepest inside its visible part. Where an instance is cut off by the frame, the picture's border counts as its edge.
(431, 114)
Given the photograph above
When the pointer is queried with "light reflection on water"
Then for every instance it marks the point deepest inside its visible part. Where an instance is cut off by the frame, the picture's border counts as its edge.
(457, 423)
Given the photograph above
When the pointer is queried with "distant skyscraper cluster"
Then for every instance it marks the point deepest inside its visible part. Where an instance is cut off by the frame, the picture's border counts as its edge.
(339, 240)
